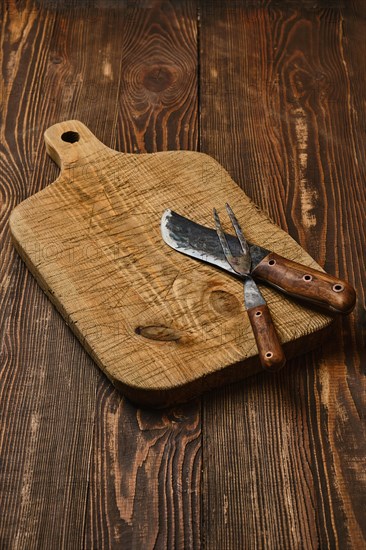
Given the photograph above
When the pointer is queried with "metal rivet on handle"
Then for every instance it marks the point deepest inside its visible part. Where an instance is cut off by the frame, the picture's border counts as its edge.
(338, 287)
(307, 278)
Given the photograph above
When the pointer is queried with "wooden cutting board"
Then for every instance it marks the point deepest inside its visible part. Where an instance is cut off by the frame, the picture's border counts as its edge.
(163, 327)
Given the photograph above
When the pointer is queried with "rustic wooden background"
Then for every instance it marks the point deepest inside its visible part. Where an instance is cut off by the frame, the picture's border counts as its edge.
(274, 90)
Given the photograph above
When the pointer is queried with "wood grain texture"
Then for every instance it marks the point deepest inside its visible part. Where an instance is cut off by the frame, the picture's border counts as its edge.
(146, 314)
(75, 52)
(156, 471)
(145, 486)
(155, 495)
(322, 289)
(279, 109)
(78, 467)
(48, 384)
(271, 354)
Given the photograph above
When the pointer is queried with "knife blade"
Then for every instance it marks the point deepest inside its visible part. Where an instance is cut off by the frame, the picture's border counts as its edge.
(294, 279)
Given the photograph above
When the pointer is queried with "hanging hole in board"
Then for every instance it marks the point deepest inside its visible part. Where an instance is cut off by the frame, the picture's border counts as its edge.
(70, 137)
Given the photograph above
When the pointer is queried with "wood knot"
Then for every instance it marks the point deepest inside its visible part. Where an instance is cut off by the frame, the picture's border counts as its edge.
(159, 332)
(157, 78)
(224, 303)
(56, 60)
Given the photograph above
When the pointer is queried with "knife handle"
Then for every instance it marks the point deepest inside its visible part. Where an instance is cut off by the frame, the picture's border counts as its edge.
(269, 347)
(305, 283)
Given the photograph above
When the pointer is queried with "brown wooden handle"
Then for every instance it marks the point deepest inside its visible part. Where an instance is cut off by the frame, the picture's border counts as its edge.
(269, 347)
(305, 283)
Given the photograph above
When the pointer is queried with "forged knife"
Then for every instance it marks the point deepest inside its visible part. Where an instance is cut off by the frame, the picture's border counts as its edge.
(296, 280)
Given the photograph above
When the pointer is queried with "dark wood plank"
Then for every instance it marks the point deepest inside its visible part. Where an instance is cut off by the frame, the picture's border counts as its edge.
(48, 384)
(283, 455)
(79, 465)
(146, 466)
(145, 477)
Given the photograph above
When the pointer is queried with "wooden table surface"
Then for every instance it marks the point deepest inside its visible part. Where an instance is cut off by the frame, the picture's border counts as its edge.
(273, 90)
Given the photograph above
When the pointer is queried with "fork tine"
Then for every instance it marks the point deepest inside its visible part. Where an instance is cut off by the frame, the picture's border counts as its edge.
(222, 237)
(238, 231)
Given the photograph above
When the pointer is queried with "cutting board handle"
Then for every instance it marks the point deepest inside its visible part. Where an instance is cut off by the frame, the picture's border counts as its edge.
(71, 143)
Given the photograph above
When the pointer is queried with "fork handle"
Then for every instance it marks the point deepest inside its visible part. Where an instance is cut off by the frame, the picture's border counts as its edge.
(269, 347)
